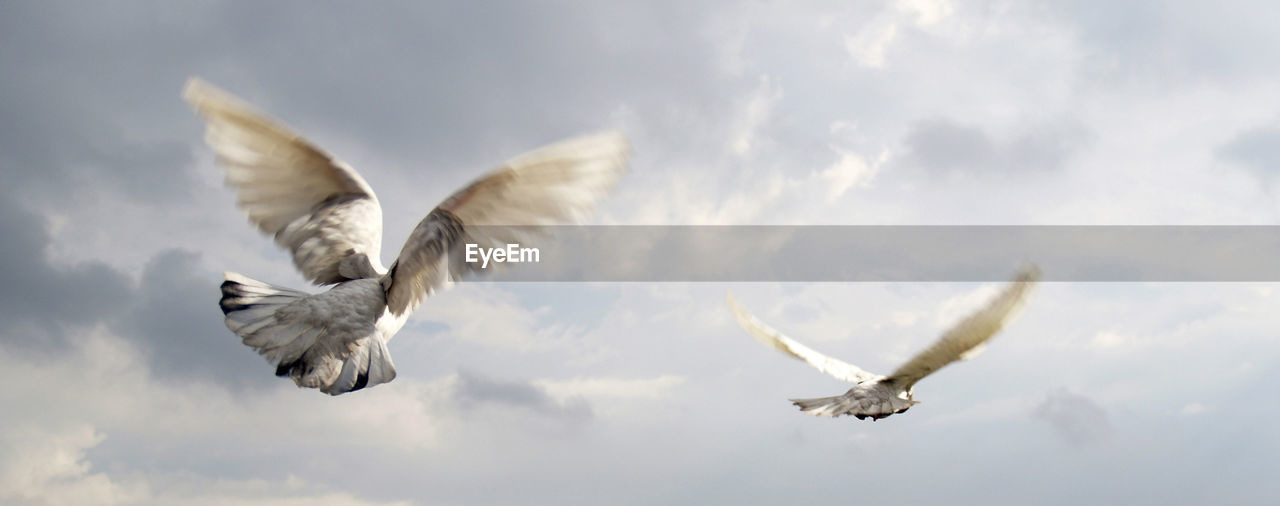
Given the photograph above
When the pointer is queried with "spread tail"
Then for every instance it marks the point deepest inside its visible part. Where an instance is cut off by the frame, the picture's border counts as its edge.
(861, 408)
(825, 406)
(297, 347)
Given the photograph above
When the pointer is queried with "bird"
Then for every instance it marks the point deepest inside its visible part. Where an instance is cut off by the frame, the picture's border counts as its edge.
(328, 218)
(877, 396)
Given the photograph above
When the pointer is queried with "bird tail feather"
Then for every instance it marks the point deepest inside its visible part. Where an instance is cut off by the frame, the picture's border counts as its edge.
(860, 408)
(825, 406)
(297, 347)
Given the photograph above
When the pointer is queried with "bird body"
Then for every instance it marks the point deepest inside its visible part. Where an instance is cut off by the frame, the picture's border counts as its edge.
(873, 399)
(877, 396)
(328, 218)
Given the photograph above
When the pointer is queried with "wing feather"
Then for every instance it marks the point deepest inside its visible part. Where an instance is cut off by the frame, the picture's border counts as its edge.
(965, 339)
(774, 339)
(315, 205)
(555, 185)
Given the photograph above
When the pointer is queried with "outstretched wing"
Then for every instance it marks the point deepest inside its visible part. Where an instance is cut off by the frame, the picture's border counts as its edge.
(558, 184)
(965, 338)
(314, 204)
(770, 337)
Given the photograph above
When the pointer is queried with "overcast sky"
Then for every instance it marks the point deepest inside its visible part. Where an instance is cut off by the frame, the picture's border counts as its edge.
(123, 385)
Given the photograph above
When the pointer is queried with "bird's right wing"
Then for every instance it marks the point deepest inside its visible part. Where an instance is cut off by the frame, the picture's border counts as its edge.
(315, 205)
(555, 185)
(963, 341)
(774, 339)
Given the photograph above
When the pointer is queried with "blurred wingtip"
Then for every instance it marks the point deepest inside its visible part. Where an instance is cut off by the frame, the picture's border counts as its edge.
(1029, 273)
(205, 97)
(196, 89)
(738, 311)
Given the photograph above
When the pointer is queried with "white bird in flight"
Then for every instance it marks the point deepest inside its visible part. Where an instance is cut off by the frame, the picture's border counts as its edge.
(327, 216)
(876, 396)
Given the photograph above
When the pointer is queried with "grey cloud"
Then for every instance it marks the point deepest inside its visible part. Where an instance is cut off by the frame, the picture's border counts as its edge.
(172, 311)
(944, 145)
(153, 171)
(436, 89)
(87, 109)
(474, 389)
(38, 300)
(1075, 418)
(452, 79)
(66, 148)
(1047, 145)
(1257, 149)
(176, 318)
(464, 78)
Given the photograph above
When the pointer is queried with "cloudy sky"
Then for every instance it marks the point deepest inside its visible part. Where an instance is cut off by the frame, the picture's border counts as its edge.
(124, 386)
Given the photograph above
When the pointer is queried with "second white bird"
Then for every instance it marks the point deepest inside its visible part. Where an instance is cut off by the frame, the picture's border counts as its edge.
(876, 396)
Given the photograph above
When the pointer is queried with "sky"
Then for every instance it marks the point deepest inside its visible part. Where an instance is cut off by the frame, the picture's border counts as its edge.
(124, 387)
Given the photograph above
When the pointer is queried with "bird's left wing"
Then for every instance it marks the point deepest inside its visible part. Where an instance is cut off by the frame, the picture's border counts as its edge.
(554, 185)
(774, 339)
(315, 205)
(964, 339)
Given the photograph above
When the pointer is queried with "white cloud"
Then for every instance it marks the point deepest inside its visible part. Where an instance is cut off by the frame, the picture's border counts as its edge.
(754, 114)
(46, 466)
(103, 390)
(612, 388)
(115, 390)
(49, 467)
(868, 46)
(491, 316)
(872, 41)
(1110, 339)
(612, 396)
(40, 466)
(907, 318)
(851, 170)
(926, 12)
